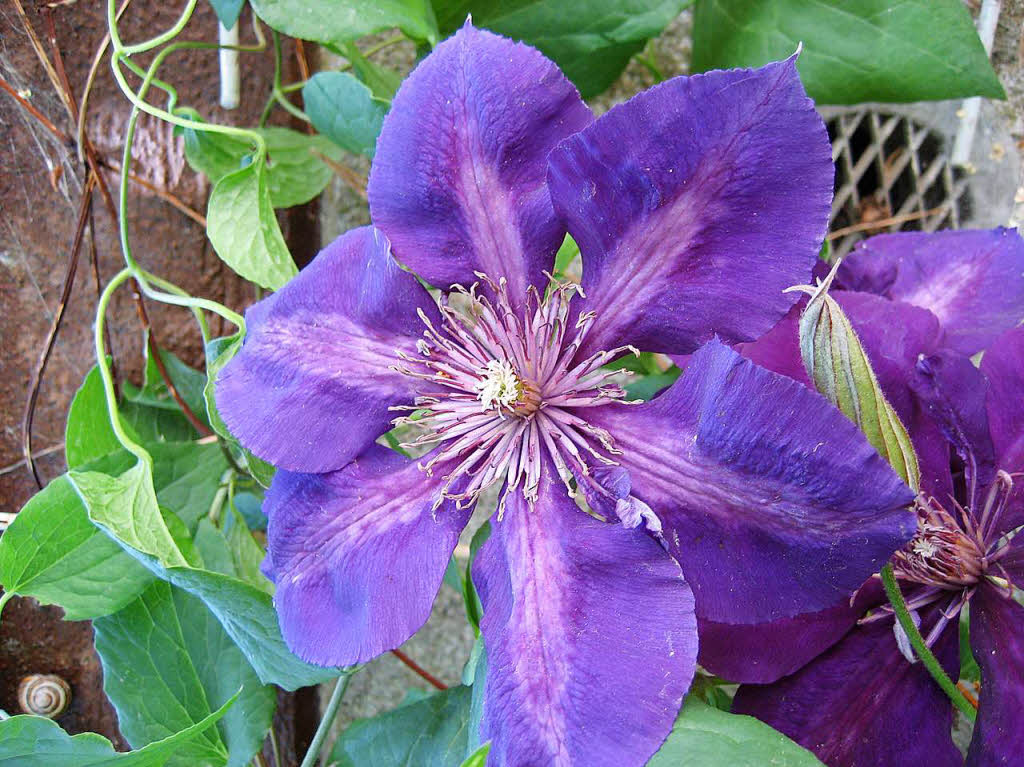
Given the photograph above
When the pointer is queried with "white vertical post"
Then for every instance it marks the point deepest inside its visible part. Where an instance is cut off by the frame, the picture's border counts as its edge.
(230, 76)
(987, 20)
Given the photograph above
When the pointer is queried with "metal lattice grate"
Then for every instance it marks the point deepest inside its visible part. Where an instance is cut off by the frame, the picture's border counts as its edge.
(892, 174)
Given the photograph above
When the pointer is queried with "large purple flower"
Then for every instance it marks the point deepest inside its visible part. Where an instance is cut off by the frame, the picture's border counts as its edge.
(695, 204)
(860, 701)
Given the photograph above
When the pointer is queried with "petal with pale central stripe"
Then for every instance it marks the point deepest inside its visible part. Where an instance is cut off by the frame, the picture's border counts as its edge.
(772, 501)
(590, 637)
(972, 280)
(311, 387)
(695, 204)
(458, 178)
(357, 555)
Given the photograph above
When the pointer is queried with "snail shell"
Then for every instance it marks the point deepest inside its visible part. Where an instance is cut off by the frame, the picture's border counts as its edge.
(44, 695)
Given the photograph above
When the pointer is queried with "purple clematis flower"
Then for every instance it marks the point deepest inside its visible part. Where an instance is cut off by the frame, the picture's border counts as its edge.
(851, 695)
(737, 496)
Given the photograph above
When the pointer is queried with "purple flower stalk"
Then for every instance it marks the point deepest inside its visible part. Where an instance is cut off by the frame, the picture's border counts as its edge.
(734, 498)
(854, 693)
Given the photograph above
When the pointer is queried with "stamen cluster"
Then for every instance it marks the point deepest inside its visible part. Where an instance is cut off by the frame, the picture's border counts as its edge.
(952, 552)
(507, 390)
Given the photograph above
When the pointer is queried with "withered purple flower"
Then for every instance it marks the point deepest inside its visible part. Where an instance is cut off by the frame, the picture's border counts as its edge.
(694, 205)
(859, 699)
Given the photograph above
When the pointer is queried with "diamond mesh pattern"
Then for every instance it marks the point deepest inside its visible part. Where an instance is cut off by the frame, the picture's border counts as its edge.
(892, 174)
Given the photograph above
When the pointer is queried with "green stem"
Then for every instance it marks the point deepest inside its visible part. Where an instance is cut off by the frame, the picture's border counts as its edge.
(104, 366)
(152, 43)
(924, 654)
(274, 749)
(382, 45)
(277, 92)
(328, 719)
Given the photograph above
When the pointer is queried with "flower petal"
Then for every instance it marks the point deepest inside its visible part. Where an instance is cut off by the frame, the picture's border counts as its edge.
(763, 652)
(862, 703)
(1003, 366)
(772, 501)
(997, 639)
(311, 387)
(894, 335)
(590, 636)
(972, 280)
(954, 391)
(357, 555)
(695, 204)
(458, 178)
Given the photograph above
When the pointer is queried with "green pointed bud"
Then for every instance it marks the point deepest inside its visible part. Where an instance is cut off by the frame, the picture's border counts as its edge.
(836, 362)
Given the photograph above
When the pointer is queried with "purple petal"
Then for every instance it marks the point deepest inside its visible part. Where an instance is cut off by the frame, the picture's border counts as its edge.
(1003, 366)
(779, 348)
(458, 178)
(772, 501)
(953, 391)
(764, 652)
(894, 335)
(862, 703)
(590, 636)
(695, 204)
(973, 281)
(997, 639)
(311, 387)
(357, 555)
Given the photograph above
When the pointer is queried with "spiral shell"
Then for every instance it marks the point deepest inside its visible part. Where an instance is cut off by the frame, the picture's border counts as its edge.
(44, 695)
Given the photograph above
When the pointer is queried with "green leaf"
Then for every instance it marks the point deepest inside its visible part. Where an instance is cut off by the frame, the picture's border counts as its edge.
(475, 673)
(154, 392)
(167, 664)
(295, 172)
(470, 598)
(149, 416)
(479, 757)
(335, 21)
(431, 732)
(247, 614)
(227, 11)
(592, 43)
(250, 506)
(243, 229)
(705, 735)
(382, 81)
(53, 553)
(344, 110)
(33, 741)
(969, 668)
(127, 511)
(127, 506)
(836, 362)
(187, 477)
(568, 251)
(88, 434)
(231, 550)
(155, 424)
(853, 50)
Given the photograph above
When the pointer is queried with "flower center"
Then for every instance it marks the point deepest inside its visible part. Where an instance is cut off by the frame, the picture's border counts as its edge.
(943, 553)
(499, 387)
(506, 390)
(954, 551)
(951, 553)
